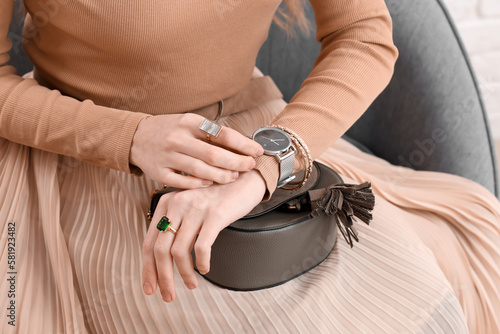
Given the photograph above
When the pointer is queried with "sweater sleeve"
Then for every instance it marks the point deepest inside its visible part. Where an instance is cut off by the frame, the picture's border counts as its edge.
(36, 116)
(355, 64)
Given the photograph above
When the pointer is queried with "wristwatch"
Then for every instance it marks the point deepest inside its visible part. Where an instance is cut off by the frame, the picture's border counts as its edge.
(277, 142)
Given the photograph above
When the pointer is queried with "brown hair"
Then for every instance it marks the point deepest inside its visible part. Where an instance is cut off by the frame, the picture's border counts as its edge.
(292, 17)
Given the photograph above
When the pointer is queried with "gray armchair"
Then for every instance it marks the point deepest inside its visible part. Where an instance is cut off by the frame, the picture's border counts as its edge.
(430, 117)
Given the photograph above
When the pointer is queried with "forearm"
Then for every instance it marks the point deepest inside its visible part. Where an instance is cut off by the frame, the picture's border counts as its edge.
(35, 116)
(355, 64)
(42, 118)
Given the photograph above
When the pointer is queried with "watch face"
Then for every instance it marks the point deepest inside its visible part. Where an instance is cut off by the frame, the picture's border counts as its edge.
(274, 141)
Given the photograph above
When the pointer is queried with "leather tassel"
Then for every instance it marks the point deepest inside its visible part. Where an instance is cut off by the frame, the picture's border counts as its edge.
(344, 202)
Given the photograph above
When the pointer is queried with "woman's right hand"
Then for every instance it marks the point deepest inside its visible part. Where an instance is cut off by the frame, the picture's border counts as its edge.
(165, 145)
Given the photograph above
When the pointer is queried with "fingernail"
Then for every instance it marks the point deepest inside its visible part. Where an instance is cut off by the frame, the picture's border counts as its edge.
(206, 183)
(234, 176)
(148, 289)
(166, 296)
(259, 151)
(191, 286)
(252, 164)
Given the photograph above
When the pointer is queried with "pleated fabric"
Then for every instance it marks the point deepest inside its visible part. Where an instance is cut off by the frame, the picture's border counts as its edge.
(429, 262)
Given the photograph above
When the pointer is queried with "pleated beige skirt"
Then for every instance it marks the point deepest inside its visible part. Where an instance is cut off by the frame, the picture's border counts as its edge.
(428, 263)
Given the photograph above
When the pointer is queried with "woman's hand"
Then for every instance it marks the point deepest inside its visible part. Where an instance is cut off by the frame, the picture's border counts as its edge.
(167, 144)
(204, 211)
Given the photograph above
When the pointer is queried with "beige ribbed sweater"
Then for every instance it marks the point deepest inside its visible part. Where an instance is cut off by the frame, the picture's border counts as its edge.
(118, 62)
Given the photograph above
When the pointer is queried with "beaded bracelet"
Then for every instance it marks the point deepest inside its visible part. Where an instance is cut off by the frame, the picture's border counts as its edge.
(306, 155)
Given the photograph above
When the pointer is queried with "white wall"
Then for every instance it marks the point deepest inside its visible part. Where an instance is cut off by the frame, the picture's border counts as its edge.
(478, 22)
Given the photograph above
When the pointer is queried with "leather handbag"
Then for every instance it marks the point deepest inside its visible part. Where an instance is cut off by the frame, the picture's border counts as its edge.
(287, 235)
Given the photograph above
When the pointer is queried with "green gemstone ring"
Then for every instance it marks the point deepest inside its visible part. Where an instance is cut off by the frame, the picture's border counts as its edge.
(165, 225)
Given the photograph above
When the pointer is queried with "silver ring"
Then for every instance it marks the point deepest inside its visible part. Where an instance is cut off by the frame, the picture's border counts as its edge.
(212, 129)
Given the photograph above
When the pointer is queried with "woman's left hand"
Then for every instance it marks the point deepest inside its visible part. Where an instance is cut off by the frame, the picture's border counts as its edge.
(203, 211)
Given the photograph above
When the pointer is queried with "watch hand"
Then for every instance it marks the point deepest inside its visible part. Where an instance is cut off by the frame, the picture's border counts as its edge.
(272, 140)
(275, 141)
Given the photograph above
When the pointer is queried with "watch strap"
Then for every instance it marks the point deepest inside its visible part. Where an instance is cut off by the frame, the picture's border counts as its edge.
(286, 162)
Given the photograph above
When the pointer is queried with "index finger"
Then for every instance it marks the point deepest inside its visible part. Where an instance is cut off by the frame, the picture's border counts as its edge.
(235, 141)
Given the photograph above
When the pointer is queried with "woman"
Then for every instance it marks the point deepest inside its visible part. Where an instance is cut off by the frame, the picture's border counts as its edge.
(112, 111)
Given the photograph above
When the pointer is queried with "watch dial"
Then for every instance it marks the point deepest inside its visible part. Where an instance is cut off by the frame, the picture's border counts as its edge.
(273, 140)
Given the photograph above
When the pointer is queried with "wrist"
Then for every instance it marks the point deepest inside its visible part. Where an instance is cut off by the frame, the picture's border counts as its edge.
(134, 158)
(257, 180)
